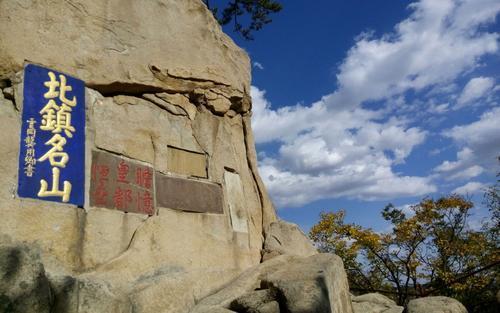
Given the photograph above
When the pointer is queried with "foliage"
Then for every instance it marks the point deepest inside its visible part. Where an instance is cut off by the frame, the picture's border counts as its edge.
(492, 202)
(431, 251)
(258, 11)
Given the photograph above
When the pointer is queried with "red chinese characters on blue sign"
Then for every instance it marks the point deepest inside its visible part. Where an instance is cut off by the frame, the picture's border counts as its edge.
(52, 151)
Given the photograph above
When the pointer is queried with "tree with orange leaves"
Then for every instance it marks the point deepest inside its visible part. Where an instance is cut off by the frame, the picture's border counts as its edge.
(431, 252)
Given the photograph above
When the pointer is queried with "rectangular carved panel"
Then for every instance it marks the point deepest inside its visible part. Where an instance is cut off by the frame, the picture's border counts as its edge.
(186, 162)
(188, 195)
(122, 184)
(236, 200)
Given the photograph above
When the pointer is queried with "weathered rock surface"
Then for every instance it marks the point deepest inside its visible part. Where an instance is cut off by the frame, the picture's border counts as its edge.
(317, 283)
(117, 260)
(256, 301)
(24, 288)
(435, 305)
(168, 90)
(112, 45)
(374, 303)
(81, 295)
(286, 238)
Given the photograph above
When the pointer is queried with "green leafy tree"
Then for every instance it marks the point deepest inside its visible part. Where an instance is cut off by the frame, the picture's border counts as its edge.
(431, 252)
(247, 16)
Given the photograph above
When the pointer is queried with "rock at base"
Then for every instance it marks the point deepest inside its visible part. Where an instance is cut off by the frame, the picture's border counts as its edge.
(314, 284)
(24, 288)
(436, 305)
(286, 238)
(375, 303)
(257, 301)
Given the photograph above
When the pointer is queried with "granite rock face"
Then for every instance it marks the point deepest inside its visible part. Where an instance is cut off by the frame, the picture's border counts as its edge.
(286, 238)
(314, 284)
(435, 305)
(153, 45)
(165, 89)
(374, 303)
(257, 301)
(24, 288)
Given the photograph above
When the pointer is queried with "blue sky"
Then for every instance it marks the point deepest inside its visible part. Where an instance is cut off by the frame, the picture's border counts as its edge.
(361, 103)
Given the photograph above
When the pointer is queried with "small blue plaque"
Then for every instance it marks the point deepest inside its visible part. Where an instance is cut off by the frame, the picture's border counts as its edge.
(52, 149)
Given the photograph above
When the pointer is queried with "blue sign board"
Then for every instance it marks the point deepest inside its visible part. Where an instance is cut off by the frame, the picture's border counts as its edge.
(52, 150)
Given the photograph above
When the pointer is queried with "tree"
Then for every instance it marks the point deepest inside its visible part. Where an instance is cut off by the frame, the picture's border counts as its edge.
(258, 11)
(431, 252)
(492, 202)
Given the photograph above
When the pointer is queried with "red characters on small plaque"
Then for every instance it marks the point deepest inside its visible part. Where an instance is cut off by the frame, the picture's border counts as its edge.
(144, 177)
(145, 202)
(99, 174)
(122, 184)
(122, 172)
(122, 198)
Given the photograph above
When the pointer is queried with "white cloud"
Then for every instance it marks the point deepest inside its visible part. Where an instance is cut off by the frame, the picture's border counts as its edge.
(365, 181)
(469, 188)
(438, 108)
(408, 209)
(339, 147)
(481, 138)
(347, 154)
(258, 65)
(283, 123)
(475, 89)
(439, 41)
(483, 135)
(464, 167)
(480, 142)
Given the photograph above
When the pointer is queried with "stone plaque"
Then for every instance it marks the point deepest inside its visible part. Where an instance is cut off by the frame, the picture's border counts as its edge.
(186, 162)
(52, 151)
(188, 195)
(236, 200)
(121, 184)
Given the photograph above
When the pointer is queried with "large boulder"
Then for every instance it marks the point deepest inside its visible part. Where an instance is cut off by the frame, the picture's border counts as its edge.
(286, 238)
(80, 295)
(374, 303)
(141, 46)
(24, 288)
(167, 89)
(257, 301)
(435, 305)
(314, 284)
